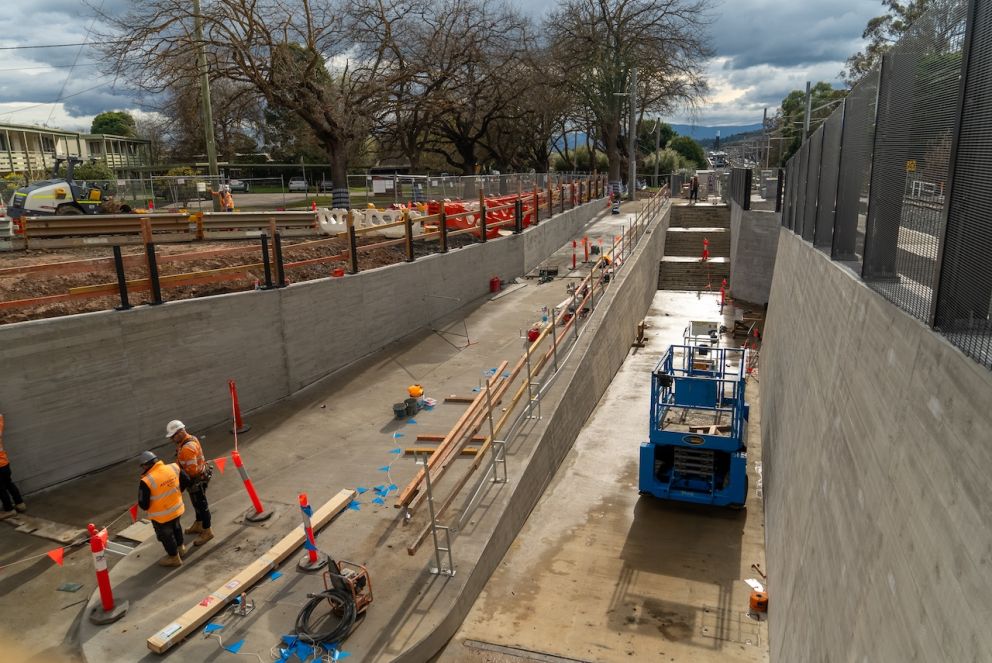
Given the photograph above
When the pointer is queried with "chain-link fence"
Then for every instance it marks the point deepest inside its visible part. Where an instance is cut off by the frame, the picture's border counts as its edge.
(896, 180)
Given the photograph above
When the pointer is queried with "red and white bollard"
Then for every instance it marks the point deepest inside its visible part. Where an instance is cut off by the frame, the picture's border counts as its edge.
(240, 427)
(107, 612)
(312, 561)
(706, 249)
(260, 513)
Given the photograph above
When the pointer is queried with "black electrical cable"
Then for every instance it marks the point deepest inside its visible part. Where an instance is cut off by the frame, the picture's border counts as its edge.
(340, 600)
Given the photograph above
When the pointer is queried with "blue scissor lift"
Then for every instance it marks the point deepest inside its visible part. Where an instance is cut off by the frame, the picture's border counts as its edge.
(696, 450)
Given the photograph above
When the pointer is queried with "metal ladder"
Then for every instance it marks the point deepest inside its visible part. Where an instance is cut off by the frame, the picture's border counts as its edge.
(693, 463)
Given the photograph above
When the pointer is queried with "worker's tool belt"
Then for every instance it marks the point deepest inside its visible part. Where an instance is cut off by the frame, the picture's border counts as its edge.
(200, 481)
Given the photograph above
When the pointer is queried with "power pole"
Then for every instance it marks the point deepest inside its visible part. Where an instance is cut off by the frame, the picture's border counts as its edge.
(809, 101)
(208, 115)
(632, 140)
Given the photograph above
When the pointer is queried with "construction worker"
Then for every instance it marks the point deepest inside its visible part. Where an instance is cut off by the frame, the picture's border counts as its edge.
(226, 199)
(189, 456)
(160, 493)
(9, 494)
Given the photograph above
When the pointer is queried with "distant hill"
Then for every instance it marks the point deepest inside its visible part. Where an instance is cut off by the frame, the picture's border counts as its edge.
(706, 133)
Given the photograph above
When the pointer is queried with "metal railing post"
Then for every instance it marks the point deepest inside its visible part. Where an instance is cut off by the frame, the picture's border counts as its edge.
(121, 279)
(266, 264)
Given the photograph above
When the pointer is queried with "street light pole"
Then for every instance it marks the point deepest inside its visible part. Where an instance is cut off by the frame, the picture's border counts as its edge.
(631, 155)
(657, 148)
(208, 116)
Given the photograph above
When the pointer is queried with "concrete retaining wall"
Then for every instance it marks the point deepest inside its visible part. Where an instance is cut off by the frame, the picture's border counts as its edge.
(753, 245)
(571, 400)
(876, 475)
(86, 391)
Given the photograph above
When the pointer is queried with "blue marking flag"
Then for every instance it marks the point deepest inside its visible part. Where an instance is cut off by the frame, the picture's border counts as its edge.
(392, 486)
(411, 421)
(339, 654)
(210, 628)
(378, 500)
(236, 647)
(304, 651)
(361, 490)
(290, 640)
(355, 506)
(397, 436)
(284, 655)
(384, 468)
(397, 451)
(275, 575)
(379, 489)
(309, 546)
(307, 510)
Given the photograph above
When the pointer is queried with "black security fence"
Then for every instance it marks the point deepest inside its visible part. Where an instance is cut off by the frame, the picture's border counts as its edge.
(740, 187)
(897, 182)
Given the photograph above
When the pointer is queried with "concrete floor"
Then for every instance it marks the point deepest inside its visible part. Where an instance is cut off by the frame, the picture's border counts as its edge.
(332, 436)
(600, 573)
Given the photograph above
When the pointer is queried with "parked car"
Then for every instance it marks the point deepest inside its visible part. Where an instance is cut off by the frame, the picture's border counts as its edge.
(239, 185)
(325, 185)
(297, 184)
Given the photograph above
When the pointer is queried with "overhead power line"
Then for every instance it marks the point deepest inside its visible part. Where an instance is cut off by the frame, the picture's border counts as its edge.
(19, 48)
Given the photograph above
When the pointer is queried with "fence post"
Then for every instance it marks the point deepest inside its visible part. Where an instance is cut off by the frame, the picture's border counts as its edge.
(352, 242)
(537, 207)
(121, 279)
(443, 227)
(551, 199)
(146, 233)
(518, 216)
(266, 264)
(280, 270)
(408, 227)
(482, 214)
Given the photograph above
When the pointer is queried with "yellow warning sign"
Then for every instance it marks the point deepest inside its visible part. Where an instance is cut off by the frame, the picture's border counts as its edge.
(911, 166)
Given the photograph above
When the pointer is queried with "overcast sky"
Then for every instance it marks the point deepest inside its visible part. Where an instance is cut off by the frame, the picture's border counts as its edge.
(764, 49)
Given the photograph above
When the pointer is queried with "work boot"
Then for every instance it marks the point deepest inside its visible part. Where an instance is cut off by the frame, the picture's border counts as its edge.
(182, 551)
(4, 515)
(170, 561)
(195, 528)
(205, 535)
(21, 507)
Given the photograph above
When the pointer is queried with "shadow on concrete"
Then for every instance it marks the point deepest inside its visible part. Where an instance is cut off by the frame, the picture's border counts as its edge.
(709, 555)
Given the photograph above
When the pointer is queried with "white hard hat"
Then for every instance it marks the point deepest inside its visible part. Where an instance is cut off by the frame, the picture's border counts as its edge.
(173, 427)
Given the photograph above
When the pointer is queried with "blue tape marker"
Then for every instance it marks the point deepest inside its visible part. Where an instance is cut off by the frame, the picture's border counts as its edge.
(307, 510)
(236, 647)
(237, 600)
(397, 436)
(384, 468)
(309, 546)
(290, 640)
(411, 421)
(397, 450)
(506, 374)
(355, 506)
(361, 490)
(379, 489)
(284, 655)
(339, 654)
(378, 500)
(303, 651)
(275, 575)
(392, 486)
(210, 628)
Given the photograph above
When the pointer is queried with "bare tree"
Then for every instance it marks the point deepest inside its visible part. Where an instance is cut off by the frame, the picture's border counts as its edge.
(321, 59)
(600, 42)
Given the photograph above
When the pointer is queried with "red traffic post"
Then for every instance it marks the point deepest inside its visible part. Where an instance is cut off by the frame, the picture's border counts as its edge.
(107, 612)
(239, 424)
(585, 245)
(260, 513)
(311, 561)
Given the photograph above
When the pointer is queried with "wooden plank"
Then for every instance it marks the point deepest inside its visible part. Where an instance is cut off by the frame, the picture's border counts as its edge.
(413, 487)
(413, 451)
(440, 438)
(453, 398)
(191, 620)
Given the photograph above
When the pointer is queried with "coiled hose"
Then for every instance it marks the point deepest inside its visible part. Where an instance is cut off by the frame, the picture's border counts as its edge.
(342, 607)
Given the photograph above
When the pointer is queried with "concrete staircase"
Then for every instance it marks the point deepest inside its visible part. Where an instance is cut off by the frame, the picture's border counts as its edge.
(681, 268)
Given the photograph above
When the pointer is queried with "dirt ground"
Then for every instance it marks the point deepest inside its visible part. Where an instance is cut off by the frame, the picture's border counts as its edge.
(27, 285)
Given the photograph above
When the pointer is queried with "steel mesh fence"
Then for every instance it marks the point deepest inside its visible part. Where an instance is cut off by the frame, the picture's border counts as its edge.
(801, 187)
(827, 195)
(740, 187)
(855, 170)
(814, 144)
(920, 81)
(965, 290)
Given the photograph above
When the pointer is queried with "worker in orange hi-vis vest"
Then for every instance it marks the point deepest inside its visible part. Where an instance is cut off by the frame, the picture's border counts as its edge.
(160, 493)
(189, 455)
(11, 497)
